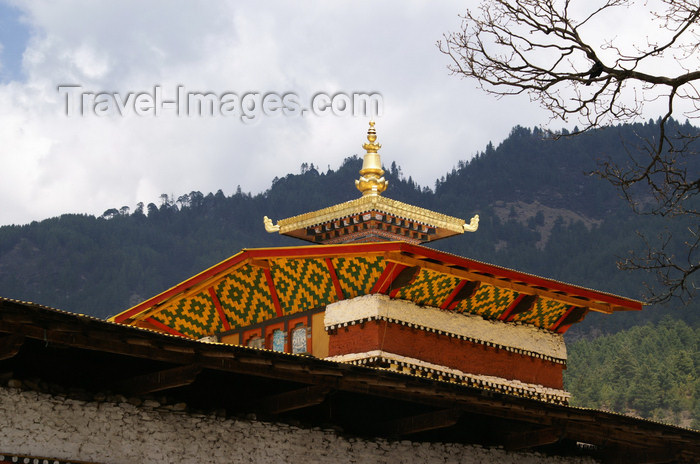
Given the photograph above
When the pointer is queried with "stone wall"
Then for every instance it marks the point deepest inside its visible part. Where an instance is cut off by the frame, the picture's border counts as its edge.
(106, 430)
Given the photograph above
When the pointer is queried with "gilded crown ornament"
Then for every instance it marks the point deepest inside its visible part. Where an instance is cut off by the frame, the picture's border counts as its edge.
(371, 217)
(371, 181)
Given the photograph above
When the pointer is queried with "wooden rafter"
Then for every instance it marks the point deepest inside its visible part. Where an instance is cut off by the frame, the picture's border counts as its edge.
(219, 309)
(398, 253)
(273, 293)
(406, 277)
(450, 298)
(433, 420)
(571, 316)
(602, 307)
(161, 380)
(295, 399)
(532, 438)
(390, 272)
(522, 304)
(334, 278)
(467, 291)
(10, 345)
(164, 328)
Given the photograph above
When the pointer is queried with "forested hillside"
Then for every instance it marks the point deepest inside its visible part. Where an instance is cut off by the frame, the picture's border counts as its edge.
(652, 371)
(540, 213)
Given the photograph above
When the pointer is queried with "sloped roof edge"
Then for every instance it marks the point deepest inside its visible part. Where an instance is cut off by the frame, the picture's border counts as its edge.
(430, 255)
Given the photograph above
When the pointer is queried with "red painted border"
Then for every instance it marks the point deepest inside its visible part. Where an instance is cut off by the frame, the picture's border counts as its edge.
(506, 314)
(273, 292)
(219, 309)
(323, 251)
(554, 326)
(164, 328)
(245, 336)
(291, 323)
(443, 350)
(386, 286)
(527, 279)
(334, 278)
(448, 301)
(384, 275)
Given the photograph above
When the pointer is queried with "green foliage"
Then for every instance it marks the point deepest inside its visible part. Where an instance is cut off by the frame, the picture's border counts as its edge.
(651, 370)
(102, 265)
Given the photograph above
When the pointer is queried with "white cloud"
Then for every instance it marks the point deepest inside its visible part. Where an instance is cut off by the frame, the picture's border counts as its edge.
(53, 164)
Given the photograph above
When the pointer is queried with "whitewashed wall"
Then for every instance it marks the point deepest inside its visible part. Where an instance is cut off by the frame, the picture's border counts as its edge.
(43, 425)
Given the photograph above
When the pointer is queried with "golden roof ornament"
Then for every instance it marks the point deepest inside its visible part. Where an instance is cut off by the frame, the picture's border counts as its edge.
(372, 217)
(371, 181)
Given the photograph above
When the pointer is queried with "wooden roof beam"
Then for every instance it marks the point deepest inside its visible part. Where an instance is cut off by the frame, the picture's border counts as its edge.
(572, 316)
(10, 345)
(464, 290)
(406, 277)
(440, 419)
(522, 304)
(533, 438)
(602, 307)
(626, 455)
(295, 399)
(161, 380)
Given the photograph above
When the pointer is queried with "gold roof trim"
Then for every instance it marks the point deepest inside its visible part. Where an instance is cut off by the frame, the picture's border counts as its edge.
(369, 203)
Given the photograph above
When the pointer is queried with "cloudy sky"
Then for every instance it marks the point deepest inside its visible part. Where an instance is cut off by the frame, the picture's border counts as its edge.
(53, 163)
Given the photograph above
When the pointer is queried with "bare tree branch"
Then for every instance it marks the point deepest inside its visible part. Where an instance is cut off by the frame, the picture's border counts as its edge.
(551, 51)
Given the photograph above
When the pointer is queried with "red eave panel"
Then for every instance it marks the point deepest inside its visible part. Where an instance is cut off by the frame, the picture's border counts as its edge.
(379, 247)
(528, 279)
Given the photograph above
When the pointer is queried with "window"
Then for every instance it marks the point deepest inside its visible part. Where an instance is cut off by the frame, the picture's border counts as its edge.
(299, 339)
(256, 342)
(278, 339)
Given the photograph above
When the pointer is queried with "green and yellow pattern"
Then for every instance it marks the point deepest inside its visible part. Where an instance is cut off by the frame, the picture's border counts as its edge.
(430, 288)
(544, 313)
(302, 284)
(194, 316)
(245, 297)
(305, 283)
(488, 302)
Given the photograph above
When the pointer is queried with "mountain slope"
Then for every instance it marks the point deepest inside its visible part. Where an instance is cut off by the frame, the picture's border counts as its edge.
(540, 213)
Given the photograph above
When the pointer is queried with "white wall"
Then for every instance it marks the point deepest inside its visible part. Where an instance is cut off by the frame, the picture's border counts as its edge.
(42, 425)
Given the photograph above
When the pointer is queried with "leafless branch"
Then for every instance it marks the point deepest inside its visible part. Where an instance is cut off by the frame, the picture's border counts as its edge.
(547, 49)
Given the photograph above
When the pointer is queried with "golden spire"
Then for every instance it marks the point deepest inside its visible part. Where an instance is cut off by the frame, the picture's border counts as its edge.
(371, 182)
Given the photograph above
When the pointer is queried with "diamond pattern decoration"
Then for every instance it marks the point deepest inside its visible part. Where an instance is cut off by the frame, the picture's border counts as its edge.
(245, 297)
(305, 283)
(544, 314)
(302, 284)
(489, 302)
(357, 274)
(194, 316)
(429, 288)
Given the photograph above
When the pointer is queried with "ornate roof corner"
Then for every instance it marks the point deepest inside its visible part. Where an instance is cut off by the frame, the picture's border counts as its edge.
(269, 226)
(371, 181)
(473, 224)
(371, 217)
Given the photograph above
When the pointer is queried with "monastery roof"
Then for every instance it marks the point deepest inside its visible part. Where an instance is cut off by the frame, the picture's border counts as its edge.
(371, 218)
(260, 284)
(76, 351)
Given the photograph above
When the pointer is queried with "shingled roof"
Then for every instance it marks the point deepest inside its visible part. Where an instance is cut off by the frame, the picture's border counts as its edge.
(79, 351)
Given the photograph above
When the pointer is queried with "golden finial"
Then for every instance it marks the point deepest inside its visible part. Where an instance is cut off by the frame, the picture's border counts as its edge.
(371, 181)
